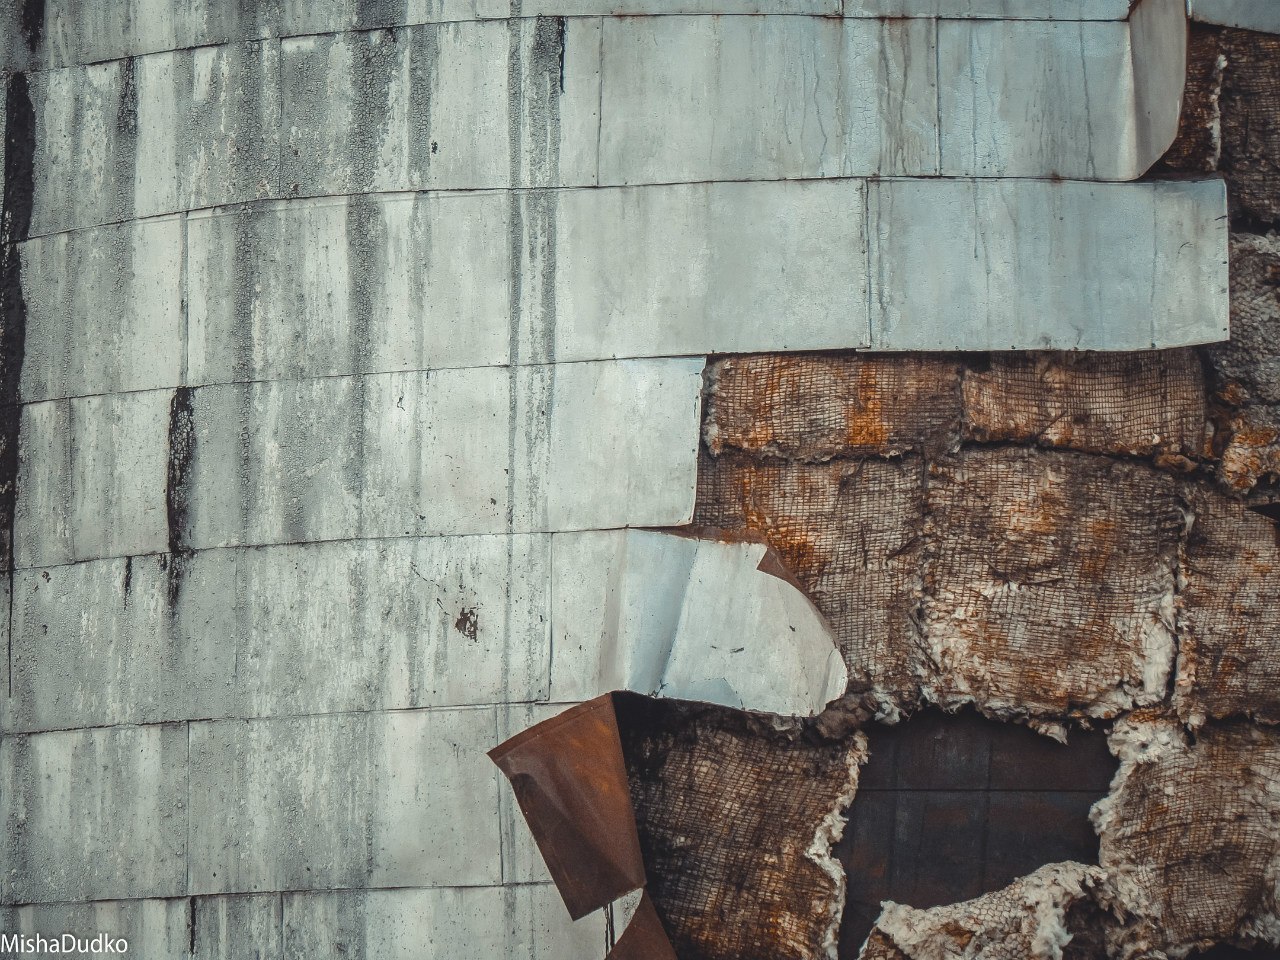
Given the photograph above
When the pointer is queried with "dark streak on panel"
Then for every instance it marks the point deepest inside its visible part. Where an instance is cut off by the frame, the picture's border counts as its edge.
(127, 111)
(15, 223)
(182, 444)
(32, 23)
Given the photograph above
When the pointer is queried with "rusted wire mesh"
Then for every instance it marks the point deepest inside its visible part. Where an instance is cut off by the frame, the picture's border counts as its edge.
(814, 408)
(849, 532)
(1049, 581)
(1129, 403)
(1229, 614)
(1191, 836)
(732, 820)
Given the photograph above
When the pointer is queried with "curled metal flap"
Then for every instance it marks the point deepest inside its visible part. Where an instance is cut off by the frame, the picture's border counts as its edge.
(645, 938)
(570, 780)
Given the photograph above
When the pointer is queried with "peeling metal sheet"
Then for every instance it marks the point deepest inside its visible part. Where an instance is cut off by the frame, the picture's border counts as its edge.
(686, 617)
(1261, 15)
(645, 938)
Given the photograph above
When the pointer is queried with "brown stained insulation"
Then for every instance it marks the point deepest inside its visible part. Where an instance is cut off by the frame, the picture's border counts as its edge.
(1190, 837)
(1231, 120)
(1246, 370)
(849, 533)
(1047, 915)
(1229, 614)
(1049, 583)
(1142, 404)
(737, 821)
(813, 408)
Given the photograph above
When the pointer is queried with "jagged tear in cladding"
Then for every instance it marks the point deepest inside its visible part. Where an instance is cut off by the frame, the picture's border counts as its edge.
(358, 419)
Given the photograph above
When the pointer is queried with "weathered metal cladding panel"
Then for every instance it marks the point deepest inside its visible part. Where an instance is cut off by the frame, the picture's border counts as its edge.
(470, 451)
(156, 134)
(94, 814)
(1017, 264)
(150, 928)
(469, 923)
(315, 628)
(692, 99)
(73, 32)
(401, 799)
(104, 310)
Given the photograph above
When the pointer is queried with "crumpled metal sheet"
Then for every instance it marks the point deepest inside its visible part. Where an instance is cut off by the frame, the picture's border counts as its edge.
(698, 615)
(718, 620)
(645, 938)
(1190, 837)
(1038, 917)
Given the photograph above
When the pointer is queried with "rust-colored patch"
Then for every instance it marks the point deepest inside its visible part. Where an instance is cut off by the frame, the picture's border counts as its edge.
(1189, 832)
(816, 408)
(1139, 404)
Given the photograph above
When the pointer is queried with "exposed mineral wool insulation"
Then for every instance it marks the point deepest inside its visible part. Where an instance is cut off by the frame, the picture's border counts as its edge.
(1245, 369)
(737, 817)
(1049, 585)
(1027, 920)
(1190, 837)
(1228, 614)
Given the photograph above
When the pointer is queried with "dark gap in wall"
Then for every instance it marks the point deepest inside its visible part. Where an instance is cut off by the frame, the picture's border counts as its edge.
(953, 806)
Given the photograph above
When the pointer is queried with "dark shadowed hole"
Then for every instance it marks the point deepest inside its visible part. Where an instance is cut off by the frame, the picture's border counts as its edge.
(953, 806)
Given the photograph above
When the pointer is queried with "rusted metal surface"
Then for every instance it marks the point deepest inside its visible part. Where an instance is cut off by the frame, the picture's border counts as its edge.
(570, 781)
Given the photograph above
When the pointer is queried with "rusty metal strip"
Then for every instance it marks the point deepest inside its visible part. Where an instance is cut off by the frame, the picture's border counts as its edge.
(571, 782)
(570, 779)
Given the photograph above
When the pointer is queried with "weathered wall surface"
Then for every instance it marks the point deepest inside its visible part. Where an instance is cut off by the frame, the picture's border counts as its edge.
(335, 333)
(1045, 536)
